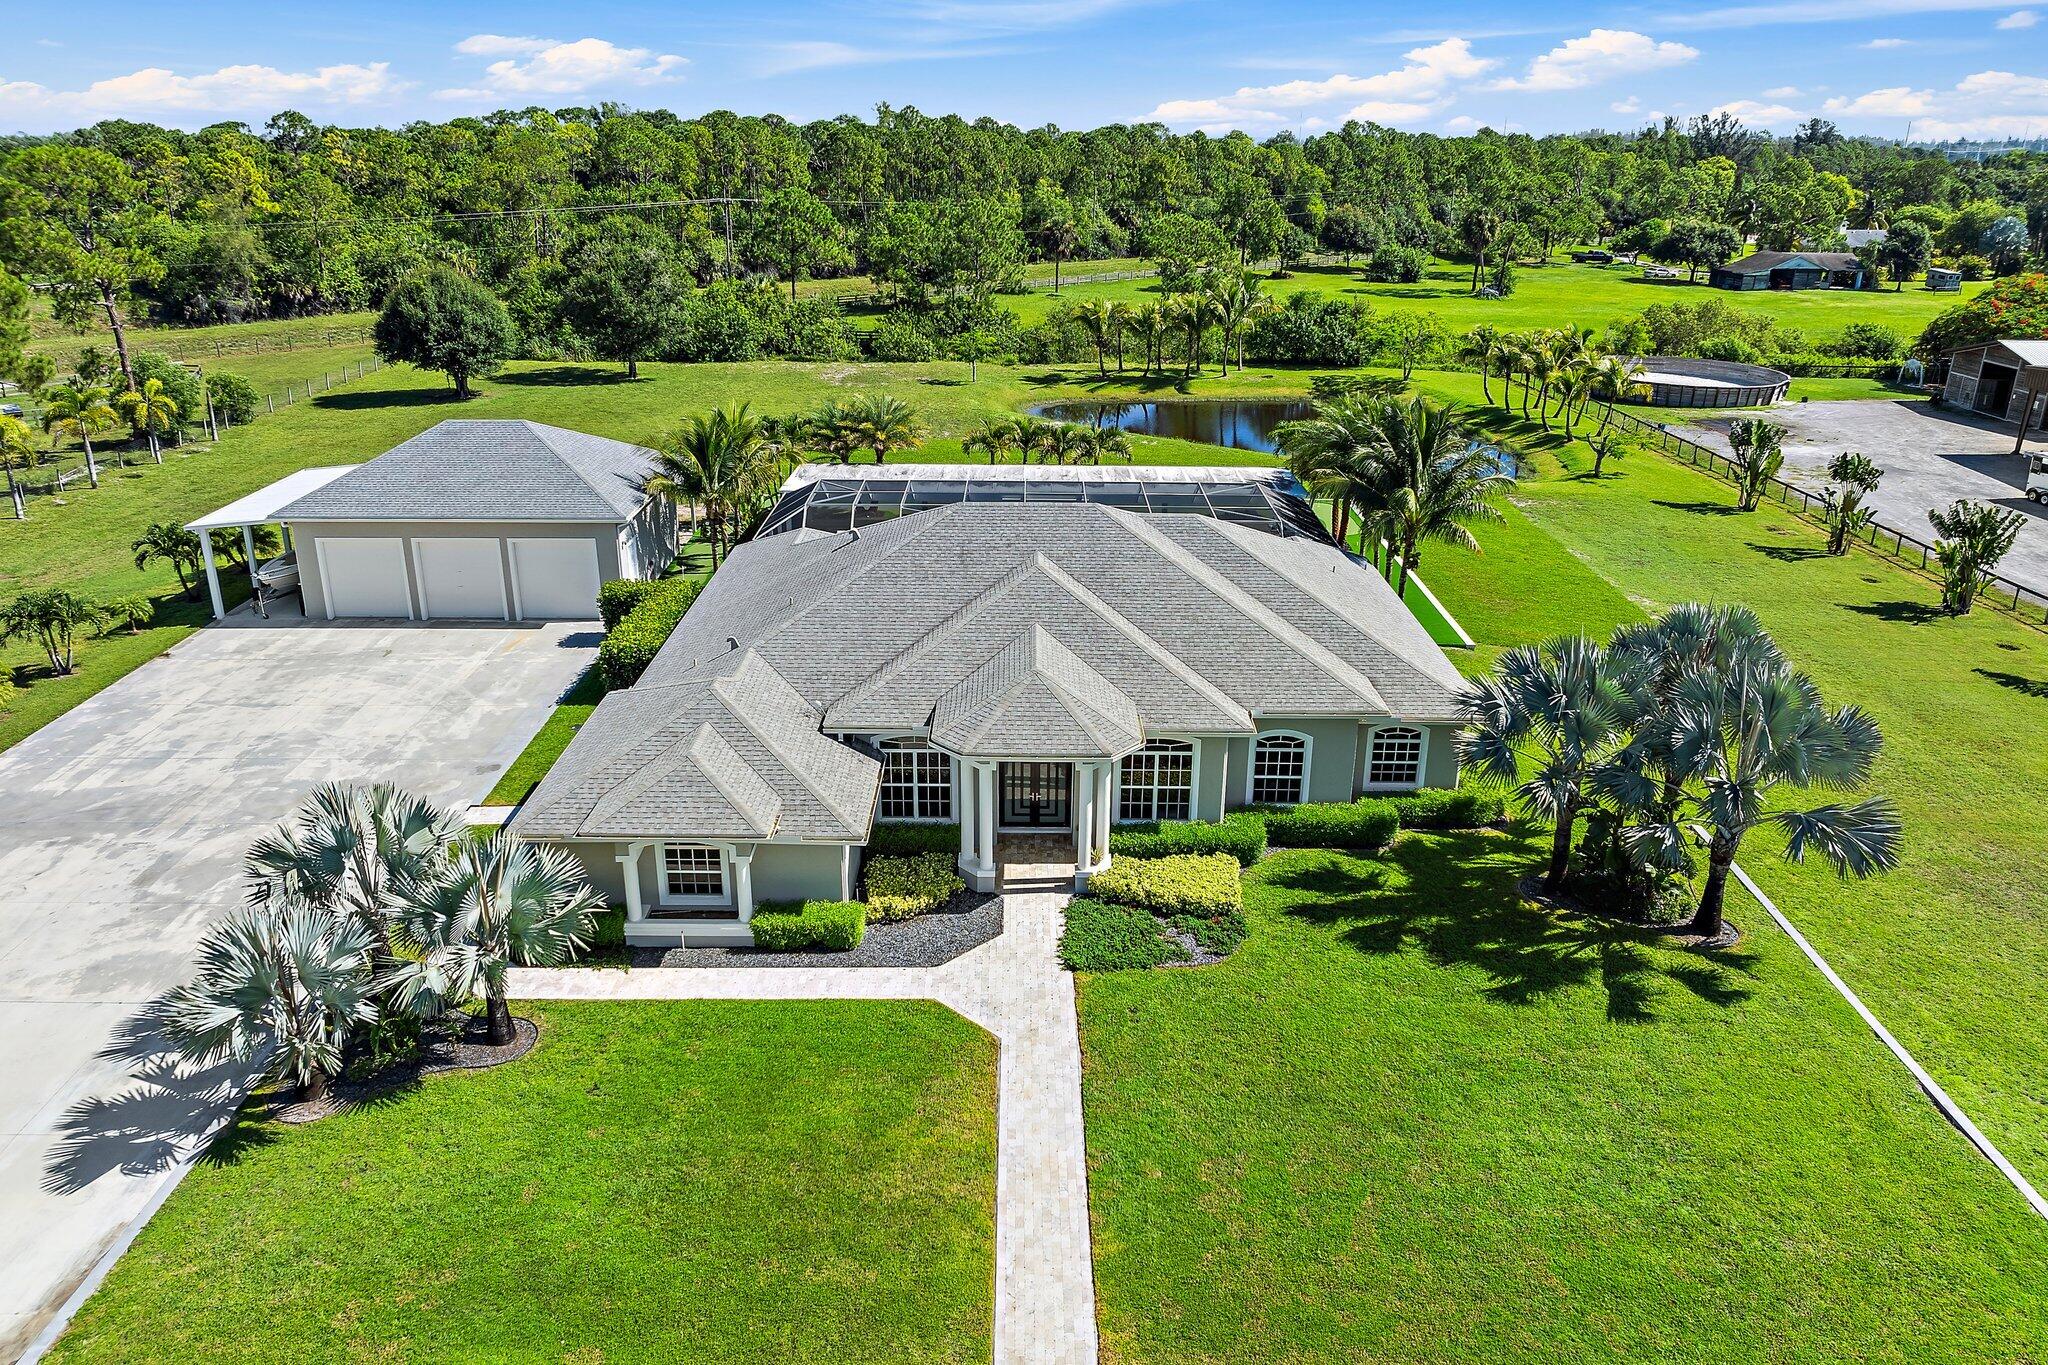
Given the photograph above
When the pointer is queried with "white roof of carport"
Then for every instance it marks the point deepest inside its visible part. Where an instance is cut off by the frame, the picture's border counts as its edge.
(258, 509)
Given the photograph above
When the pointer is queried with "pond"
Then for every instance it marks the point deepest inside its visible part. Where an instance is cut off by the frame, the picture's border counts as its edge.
(1239, 425)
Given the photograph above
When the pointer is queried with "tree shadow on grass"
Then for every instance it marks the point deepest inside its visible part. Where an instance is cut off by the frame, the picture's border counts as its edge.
(1456, 901)
(2032, 687)
(358, 400)
(1899, 613)
(565, 377)
(1095, 383)
(1788, 554)
(1702, 509)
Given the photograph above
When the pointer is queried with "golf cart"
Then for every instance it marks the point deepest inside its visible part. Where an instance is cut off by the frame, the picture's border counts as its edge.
(2037, 476)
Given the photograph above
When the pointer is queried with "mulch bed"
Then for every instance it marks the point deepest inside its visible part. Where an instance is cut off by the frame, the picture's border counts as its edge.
(453, 1044)
(936, 937)
(1530, 888)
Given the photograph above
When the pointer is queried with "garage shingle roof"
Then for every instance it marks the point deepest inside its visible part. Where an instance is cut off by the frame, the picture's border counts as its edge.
(487, 470)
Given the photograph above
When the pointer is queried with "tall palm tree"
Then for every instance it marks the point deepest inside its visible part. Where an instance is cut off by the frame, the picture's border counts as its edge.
(718, 461)
(1098, 319)
(1543, 367)
(1440, 475)
(1574, 386)
(1233, 299)
(79, 409)
(1149, 323)
(995, 437)
(150, 410)
(1191, 315)
(1120, 317)
(497, 902)
(1545, 721)
(183, 550)
(1616, 379)
(1483, 347)
(17, 447)
(880, 424)
(1337, 455)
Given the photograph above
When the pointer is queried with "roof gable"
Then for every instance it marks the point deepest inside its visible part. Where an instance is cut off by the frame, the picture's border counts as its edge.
(1036, 699)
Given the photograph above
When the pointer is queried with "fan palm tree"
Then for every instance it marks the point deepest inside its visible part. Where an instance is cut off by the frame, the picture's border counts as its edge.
(1741, 732)
(1483, 347)
(879, 424)
(717, 460)
(995, 437)
(150, 410)
(17, 448)
(79, 409)
(1554, 711)
(180, 548)
(286, 983)
(1439, 475)
(497, 902)
(1759, 447)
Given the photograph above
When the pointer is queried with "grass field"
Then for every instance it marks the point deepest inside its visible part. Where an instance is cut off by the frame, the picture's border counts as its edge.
(655, 1181)
(1414, 1119)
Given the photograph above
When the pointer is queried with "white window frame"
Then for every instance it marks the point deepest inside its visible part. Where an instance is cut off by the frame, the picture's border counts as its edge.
(886, 745)
(663, 896)
(1251, 766)
(1119, 786)
(1372, 739)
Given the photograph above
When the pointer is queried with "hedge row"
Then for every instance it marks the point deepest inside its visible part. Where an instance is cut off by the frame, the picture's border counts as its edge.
(1241, 834)
(1368, 823)
(903, 838)
(792, 926)
(1199, 884)
(617, 596)
(632, 644)
(899, 888)
(1449, 808)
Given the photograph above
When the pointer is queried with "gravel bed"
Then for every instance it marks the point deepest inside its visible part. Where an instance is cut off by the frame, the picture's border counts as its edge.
(969, 920)
(1197, 955)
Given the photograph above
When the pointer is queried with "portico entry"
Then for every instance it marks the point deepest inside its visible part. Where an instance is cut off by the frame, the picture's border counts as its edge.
(1036, 796)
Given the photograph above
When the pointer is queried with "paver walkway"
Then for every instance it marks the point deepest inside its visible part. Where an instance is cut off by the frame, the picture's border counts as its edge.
(1013, 987)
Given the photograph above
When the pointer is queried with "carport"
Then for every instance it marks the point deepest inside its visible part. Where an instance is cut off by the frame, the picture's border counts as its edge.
(260, 508)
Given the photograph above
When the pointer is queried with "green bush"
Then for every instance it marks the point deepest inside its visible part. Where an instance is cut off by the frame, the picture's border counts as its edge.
(901, 837)
(1241, 834)
(1447, 808)
(233, 399)
(632, 644)
(901, 887)
(617, 596)
(1103, 937)
(1333, 824)
(791, 926)
(1218, 934)
(1200, 884)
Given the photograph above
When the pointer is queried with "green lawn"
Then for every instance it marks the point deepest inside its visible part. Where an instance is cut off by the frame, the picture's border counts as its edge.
(656, 1181)
(1413, 1119)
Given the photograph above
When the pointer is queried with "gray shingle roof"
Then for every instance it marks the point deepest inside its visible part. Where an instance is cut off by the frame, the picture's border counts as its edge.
(467, 470)
(1036, 699)
(1758, 262)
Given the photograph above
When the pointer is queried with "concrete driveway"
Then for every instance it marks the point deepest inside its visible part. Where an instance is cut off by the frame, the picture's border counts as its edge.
(1930, 457)
(122, 828)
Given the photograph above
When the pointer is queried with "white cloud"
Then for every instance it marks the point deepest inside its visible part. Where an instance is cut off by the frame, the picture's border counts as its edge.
(1753, 111)
(1819, 12)
(1984, 104)
(1630, 105)
(1600, 55)
(1898, 101)
(1782, 92)
(1884, 44)
(540, 66)
(1403, 95)
(2019, 18)
(780, 59)
(230, 89)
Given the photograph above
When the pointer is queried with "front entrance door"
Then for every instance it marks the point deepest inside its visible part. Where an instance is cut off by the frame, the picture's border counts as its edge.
(1034, 795)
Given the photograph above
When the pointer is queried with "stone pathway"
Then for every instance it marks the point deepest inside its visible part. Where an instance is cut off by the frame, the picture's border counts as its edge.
(1013, 987)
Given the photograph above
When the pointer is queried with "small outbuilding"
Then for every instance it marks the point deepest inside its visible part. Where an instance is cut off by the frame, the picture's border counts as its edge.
(2007, 380)
(469, 520)
(1791, 270)
(1943, 280)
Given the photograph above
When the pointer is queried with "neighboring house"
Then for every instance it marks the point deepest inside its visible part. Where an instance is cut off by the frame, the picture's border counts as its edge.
(1791, 270)
(469, 520)
(1858, 238)
(2002, 379)
(1018, 649)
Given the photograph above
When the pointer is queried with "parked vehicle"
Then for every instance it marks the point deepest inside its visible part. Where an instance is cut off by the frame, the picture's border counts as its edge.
(10, 410)
(1593, 257)
(2037, 478)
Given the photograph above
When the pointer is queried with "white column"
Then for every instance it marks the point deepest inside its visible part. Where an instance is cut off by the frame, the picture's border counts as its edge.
(743, 881)
(1084, 817)
(846, 872)
(1105, 810)
(629, 866)
(212, 574)
(985, 816)
(963, 807)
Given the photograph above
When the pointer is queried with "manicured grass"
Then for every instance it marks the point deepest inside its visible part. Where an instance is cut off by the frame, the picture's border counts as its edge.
(655, 1181)
(1414, 1118)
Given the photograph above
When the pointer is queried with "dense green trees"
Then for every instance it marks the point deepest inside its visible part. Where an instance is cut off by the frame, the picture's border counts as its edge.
(440, 319)
(620, 291)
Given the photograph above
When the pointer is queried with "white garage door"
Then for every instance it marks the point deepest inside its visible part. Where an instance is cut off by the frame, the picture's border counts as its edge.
(557, 579)
(364, 576)
(461, 577)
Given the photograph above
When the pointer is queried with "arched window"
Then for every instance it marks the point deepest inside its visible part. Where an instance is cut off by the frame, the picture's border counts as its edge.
(1279, 769)
(1157, 782)
(1395, 758)
(917, 781)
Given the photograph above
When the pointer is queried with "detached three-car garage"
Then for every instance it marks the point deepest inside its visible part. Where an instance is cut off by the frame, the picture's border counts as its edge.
(473, 520)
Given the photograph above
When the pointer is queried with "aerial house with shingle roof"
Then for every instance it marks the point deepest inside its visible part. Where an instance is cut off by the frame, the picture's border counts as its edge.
(1015, 649)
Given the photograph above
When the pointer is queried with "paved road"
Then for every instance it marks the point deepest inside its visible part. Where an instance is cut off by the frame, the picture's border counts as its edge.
(122, 827)
(1930, 457)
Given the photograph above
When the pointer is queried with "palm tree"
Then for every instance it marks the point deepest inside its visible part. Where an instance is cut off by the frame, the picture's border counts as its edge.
(1034, 436)
(1233, 301)
(1151, 325)
(181, 548)
(17, 447)
(1120, 316)
(1191, 314)
(995, 437)
(1098, 319)
(285, 983)
(498, 902)
(150, 410)
(1574, 386)
(1110, 441)
(717, 461)
(79, 409)
(1740, 732)
(1543, 368)
(1616, 379)
(880, 424)
(52, 617)
(1759, 447)
(1067, 443)
(1483, 346)
(1439, 475)
(1554, 712)
(1337, 454)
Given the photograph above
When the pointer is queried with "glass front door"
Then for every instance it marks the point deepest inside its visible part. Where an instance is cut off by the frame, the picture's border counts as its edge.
(1035, 795)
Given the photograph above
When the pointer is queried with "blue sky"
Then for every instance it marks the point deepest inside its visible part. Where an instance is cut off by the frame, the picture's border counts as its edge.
(1934, 68)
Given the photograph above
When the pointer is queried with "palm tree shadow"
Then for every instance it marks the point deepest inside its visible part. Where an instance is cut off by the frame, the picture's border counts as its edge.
(1900, 613)
(1703, 509)
(2032, 687)
(1459, 906)
(1789, 554)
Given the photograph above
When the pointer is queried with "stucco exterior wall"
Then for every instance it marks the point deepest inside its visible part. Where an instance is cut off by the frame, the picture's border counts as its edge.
(780, 872)
(306, 535)
(651, 540)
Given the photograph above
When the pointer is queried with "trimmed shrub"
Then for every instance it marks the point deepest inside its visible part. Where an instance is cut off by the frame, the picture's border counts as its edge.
(902, 837)
(901, 887)
(1241, 834)
(617, 596)
(233, 398)
(632, 644)
(1446, 808)
(1333, 824)
(1103, 937)
(1203, 885)
(791, 926)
